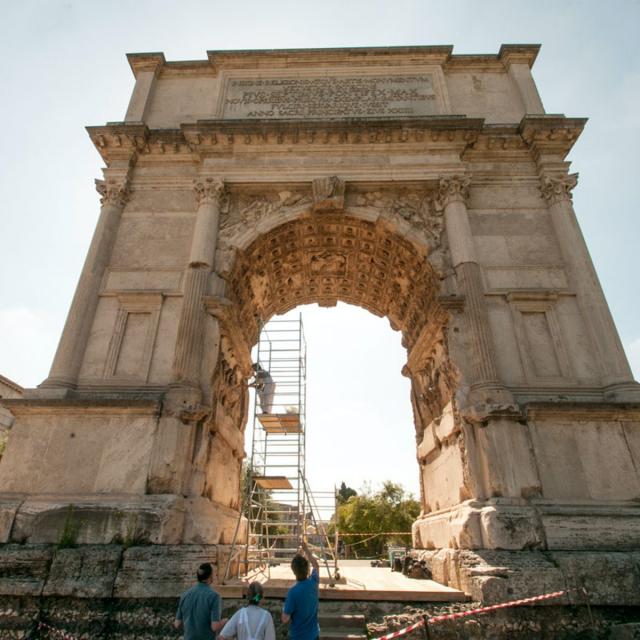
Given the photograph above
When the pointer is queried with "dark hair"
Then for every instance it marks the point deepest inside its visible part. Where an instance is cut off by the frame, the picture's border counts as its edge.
(300, 567)
(204, 572)
(255, 593)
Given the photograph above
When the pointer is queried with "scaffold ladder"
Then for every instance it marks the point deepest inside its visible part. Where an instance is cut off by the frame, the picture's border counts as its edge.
(279, 508)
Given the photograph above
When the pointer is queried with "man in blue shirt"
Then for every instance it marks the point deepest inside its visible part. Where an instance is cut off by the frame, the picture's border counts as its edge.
(301, 606)
(200, 608)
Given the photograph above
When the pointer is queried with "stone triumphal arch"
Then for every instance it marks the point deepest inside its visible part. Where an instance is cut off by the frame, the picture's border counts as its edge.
(426, 187)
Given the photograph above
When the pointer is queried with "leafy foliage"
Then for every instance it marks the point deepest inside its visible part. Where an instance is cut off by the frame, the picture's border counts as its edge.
(344, 493)
(389, 510)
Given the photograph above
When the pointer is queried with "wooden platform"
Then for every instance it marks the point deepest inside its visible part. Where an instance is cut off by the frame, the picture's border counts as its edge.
(360, 582)
(273, 482)
(280, 422)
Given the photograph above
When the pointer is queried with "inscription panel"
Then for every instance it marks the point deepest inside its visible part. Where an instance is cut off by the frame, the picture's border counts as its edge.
(337, 97)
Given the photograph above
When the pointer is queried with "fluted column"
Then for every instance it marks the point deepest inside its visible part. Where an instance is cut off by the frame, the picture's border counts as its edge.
(452, 196)
(556, 190)
(188, 352)
(68, 359)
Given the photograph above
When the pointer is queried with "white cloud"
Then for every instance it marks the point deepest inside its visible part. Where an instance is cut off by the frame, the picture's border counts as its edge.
(27, 345)
(633, 351)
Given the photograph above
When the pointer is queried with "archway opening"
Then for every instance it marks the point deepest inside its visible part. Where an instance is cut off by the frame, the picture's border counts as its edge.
(327, 258)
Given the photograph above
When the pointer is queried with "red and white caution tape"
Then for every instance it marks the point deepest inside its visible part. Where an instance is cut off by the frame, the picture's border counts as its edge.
(494, 607)
(56, 632)
(472, 612)
(402, 632)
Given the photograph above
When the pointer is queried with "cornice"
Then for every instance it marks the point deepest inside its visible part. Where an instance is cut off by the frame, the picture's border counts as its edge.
(347, 56)
(518, 53)
(551, 135)
(94, 404)
(118, 140)
(469, 137)
(588, 411)
(11, 384)
(141, 62)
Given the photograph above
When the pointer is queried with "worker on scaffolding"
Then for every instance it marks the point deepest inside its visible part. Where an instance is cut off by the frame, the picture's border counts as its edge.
(265, 386)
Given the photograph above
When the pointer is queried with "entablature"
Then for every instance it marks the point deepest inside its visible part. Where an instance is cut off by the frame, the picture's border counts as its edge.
(470, 138)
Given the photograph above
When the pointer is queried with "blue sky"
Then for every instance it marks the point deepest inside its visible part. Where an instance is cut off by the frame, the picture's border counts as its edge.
(64, 67)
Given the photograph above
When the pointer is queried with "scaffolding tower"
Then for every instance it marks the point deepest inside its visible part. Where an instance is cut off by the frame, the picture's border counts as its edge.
(279, 507)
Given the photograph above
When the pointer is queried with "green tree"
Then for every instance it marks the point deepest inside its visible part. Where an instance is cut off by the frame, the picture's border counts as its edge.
(389, 510)
(344, 493)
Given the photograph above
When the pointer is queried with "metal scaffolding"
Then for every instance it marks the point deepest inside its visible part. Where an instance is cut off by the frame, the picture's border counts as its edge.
(279, 507)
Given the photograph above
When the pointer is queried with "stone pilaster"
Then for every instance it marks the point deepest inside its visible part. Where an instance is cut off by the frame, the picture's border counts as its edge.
(68, 359)
(209, 193)
(556, 190)
(452, 194)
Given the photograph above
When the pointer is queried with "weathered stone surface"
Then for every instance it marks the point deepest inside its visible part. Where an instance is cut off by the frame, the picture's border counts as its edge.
(9, 505)
(24, 569)
(161, 571)
(629, 631)
(491, 577)
(605, 527)
(209, 523)
(101, 519)
(609, 578)
(87, 571)
(504, 527)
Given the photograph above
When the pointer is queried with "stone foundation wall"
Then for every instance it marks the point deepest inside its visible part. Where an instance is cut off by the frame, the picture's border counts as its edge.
(114, 591)
(491, 577)
(152, 618)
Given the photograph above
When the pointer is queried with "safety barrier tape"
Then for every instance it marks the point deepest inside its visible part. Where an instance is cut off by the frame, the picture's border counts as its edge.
(402, 632)
(56, 632)
(344, 534)
(471, 612)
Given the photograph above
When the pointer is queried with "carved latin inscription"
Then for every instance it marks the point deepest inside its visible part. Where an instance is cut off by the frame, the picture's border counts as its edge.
(354, 96)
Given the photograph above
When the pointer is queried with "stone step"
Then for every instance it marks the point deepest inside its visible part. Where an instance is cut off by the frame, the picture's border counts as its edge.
(341, 635)
(342, 627)
(628, 631)
(341, 620)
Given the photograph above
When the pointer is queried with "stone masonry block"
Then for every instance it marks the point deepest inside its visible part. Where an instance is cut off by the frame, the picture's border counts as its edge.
(24, 569)
(161, 570)
(88, 571)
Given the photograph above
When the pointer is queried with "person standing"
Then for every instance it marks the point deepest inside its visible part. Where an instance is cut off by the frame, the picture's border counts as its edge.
(251, 622)
(301, 606)
(200, 608)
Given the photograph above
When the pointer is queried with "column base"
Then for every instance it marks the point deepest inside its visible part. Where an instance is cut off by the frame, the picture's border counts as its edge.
(503, 523)
(126, 519)
(628, 391)
(491, 577)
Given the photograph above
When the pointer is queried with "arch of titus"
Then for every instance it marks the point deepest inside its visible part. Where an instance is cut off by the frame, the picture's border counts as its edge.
(426, 187)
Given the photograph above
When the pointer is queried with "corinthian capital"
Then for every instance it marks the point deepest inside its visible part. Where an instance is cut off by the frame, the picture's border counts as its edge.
(452, 189)
(112, 192)
(209, 190)
(558, 188)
